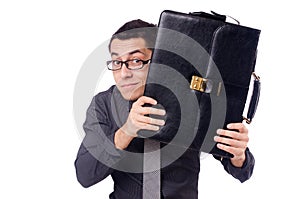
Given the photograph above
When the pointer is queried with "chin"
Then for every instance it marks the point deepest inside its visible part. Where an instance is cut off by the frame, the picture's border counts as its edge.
(133, 95)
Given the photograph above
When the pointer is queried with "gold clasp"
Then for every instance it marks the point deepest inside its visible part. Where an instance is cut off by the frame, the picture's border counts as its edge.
(198, 83)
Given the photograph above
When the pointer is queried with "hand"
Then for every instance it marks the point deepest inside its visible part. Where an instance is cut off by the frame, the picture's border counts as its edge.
(138, 120)
(236, 144)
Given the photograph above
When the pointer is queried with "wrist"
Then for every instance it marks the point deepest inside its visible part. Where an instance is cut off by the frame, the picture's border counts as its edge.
(122, 139)
(238, 161)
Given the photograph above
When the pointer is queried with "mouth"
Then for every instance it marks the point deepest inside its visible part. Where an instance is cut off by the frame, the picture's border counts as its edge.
(129, 85)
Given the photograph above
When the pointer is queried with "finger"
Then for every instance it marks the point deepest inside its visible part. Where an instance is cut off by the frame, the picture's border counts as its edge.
(234, 151)
(149, 120)
(149, 127)
(238, 126)
(145, 100)
(231, 134)
(231, 142)
(152, 111)
(139, 110)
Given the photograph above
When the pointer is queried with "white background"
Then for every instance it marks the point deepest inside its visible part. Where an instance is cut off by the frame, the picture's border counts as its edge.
(43, 45)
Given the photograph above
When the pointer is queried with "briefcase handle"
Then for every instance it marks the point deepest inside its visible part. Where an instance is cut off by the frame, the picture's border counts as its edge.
(254, 99)
(214, 16)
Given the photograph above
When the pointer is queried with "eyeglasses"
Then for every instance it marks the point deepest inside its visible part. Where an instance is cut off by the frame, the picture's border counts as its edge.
(133, 64)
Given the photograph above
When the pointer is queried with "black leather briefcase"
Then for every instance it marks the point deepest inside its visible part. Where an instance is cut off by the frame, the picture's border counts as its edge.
(200, 74)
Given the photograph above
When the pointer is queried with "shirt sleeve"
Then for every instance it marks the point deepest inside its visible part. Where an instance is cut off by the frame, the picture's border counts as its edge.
(241, 173)
(97, 153)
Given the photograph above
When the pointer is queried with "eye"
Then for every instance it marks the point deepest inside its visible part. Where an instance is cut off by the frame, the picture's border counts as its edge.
(116, 62)
(136, 61)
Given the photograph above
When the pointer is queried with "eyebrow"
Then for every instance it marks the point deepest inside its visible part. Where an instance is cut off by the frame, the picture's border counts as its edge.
(130, 53)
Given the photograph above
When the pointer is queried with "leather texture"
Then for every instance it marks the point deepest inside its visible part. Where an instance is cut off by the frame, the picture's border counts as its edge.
(227, 61)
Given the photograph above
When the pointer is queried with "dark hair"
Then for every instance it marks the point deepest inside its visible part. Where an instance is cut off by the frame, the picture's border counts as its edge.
(136, 29)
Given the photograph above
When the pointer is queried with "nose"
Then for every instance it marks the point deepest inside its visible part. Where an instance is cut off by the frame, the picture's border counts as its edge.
(125, 72)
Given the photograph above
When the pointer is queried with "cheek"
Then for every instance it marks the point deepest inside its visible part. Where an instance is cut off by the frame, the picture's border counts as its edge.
(116, 77)
(143, 75)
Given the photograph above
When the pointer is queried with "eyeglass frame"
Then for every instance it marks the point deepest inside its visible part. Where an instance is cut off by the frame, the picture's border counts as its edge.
(144, 62)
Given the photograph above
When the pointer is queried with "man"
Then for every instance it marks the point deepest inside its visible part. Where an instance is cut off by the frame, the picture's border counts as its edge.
(108, 136)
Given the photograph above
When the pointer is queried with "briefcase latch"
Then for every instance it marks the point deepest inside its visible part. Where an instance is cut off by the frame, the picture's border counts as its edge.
(198, 83)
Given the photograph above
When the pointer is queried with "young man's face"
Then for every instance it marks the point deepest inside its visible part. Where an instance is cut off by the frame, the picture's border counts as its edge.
(131, 83)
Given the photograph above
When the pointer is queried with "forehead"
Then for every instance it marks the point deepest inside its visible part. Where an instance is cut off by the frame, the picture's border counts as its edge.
(123, 47)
